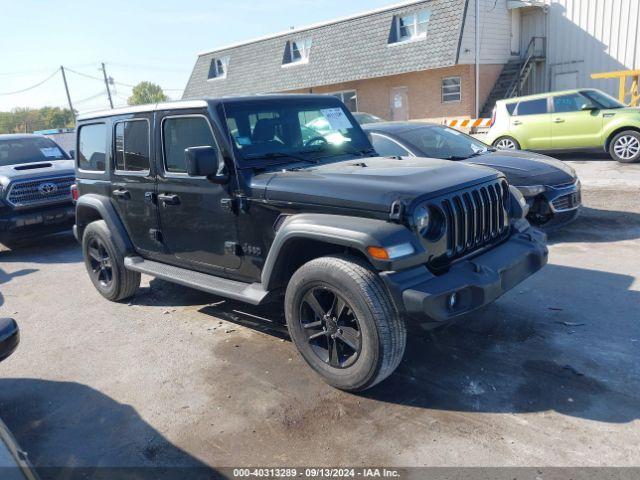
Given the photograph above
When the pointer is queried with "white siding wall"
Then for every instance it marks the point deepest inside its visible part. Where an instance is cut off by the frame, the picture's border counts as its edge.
(495, 32)
(589, 36)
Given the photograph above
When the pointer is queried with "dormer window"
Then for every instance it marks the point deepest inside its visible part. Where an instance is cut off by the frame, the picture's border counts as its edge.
(296, 51)
(218, 68)
(411, 26)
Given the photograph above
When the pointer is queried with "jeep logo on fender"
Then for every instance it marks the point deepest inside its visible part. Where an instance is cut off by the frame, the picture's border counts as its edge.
(47, 188)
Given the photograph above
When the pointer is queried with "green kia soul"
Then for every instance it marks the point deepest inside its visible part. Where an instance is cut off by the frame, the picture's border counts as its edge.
(584, 119)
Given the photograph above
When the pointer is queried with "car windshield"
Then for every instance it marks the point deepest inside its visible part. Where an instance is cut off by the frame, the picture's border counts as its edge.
(443, 142)
(602, 99)
(279, 131)
(14, 151)
(364, 118)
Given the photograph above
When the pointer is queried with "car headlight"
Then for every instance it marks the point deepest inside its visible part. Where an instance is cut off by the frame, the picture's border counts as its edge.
(519, 206)
(531, 190)
(422, 220)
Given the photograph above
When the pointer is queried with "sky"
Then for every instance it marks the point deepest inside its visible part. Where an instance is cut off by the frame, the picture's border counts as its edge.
(153, 40)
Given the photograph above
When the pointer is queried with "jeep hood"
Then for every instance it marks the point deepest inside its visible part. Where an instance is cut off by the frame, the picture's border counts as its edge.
(526, 168)
(372, 183)
(35, 170)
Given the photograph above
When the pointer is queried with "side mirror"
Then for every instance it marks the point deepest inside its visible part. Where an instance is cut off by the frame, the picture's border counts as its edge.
(588, 107)
(9, 337)
(203, 162)
(72, 154)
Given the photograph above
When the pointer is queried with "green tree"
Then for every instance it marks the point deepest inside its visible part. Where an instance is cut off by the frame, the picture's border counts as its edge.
(26, 120)
(147, 92)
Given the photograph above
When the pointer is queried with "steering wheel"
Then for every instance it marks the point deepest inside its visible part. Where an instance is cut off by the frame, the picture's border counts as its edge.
(315, 140)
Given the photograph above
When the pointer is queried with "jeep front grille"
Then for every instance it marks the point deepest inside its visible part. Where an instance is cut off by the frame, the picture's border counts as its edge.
(475, 218)
(27, 193)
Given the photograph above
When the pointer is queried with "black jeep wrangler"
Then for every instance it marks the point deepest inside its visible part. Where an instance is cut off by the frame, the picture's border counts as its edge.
(35, 181)
(270, 197)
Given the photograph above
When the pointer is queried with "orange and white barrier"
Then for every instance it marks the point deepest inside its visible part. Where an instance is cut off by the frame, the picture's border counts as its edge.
(467, 123)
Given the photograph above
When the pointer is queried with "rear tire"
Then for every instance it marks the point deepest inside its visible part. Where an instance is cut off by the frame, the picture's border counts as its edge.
(506, 143)
(105, 264)
(344, 323)
(625, 147)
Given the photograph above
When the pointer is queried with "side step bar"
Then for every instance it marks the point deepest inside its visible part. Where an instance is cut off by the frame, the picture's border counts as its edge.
(252, 293)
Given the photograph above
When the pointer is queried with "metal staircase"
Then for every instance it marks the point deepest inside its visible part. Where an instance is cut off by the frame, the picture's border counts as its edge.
(515, 74)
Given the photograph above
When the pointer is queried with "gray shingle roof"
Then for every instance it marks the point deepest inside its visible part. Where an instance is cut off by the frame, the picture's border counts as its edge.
(346, 50)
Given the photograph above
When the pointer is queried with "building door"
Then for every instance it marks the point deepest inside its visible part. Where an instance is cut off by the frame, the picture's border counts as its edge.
(565, 81)
(399, 104)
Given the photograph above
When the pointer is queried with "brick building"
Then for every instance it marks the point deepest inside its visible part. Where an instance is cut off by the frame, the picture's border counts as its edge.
(417, 59)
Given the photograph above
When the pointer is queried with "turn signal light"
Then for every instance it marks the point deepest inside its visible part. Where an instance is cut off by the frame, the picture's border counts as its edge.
(378, 253)
(74, 192)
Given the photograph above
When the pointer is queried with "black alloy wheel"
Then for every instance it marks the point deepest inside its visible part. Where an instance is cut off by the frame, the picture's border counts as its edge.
(331, 326)
(100, 261)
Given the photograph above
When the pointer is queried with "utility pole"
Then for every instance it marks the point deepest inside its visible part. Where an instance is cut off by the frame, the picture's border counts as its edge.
(66, 88)
(106, 83)
(477, 58)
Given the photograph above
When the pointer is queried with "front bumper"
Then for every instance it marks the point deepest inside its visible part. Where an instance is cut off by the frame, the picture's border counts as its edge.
(475, 282)
(556, 206)
(35, 221)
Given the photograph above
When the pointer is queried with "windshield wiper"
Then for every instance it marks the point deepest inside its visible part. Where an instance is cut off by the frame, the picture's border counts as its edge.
(344, 151)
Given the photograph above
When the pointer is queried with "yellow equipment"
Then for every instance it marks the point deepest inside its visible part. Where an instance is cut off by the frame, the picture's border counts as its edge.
(622, 75)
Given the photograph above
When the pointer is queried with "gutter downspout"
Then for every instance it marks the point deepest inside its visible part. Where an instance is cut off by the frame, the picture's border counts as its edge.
(477, 88)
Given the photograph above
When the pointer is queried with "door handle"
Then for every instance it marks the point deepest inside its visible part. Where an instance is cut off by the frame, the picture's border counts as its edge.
(558, 120)
(124, 194)
(517, 122)
(169, 199)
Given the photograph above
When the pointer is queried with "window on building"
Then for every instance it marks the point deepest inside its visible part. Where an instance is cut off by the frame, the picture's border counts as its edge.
(180, 133)
(218, 68)
(92, 147)
(532, 107)
(451, 89)
(132, 146)
(297, 51)
(387, 147)
(349, 98)
(411, 26)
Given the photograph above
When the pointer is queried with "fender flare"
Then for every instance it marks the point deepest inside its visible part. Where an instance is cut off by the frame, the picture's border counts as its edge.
(350, 232)
(107, 212)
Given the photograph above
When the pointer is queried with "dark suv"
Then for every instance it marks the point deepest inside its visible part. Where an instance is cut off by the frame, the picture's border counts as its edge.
(35, 180)
(240, 198)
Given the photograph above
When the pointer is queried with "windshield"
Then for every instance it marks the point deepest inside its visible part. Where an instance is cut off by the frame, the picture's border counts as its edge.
(299, 128)
(14, 151)
(443, 142)
(364, 118)
(602, 99)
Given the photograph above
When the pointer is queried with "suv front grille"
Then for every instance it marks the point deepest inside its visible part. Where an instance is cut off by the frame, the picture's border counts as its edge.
(475, 218)
(26, 193)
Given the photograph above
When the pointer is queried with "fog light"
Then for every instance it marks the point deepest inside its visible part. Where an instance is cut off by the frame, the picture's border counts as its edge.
(452, 300)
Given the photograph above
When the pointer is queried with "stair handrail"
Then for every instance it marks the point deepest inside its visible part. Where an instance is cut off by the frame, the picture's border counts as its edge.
(529, 55)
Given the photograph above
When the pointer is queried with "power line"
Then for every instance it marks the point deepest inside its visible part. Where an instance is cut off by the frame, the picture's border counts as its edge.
(32, 86)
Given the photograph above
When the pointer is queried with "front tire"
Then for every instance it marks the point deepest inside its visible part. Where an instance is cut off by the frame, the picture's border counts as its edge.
(625, 147)
(343, 322)
(506, 143)
(105, 264)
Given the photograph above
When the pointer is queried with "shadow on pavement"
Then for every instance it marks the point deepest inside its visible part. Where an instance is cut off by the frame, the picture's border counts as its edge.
(65, 424)
(595, 225)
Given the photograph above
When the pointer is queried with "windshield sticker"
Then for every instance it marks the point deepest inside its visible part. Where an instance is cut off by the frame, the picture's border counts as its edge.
(243, 141)
(336, 118)
(51, 152)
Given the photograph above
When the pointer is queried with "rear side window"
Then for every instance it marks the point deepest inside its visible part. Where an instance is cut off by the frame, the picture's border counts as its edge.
(532, 107)
(132, 146)
(92, 147)
(511, 107)
(180, 133)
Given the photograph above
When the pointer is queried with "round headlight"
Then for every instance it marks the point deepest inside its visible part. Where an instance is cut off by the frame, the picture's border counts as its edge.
(422, 220)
